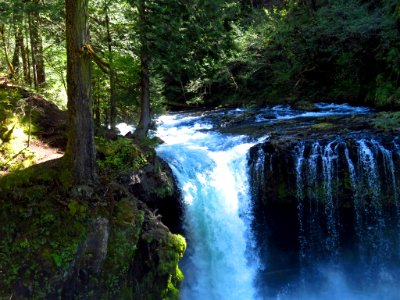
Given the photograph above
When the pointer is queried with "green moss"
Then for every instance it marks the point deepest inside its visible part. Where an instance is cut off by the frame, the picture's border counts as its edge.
(164, 190)
(172, 290)
(40, 236)
(119, 156)
(171, 252)
(387, 120)
(159, 265)
(322, 126)
(169, 259)
(42, 227)
(14, 132)
(77, 208)
(125, 233)
(39, 239)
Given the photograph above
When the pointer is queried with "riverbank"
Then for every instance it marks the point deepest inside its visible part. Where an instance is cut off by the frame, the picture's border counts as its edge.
(102, 241)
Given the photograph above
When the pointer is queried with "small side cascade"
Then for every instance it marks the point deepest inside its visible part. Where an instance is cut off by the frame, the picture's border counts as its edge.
(374, 245)
(317, 197)
(258, 171)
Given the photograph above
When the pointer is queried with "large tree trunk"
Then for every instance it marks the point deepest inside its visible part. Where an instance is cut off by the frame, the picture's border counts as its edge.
(113, 108)
(80, 149)
(144, 123)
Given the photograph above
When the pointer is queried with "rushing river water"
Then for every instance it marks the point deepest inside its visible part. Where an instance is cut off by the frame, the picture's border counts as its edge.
(211, 170)
(230, 251)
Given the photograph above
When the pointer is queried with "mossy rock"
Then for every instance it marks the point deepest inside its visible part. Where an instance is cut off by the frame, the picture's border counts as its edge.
(323, 126)
(387, 121)
(48, 245)
(157, 260)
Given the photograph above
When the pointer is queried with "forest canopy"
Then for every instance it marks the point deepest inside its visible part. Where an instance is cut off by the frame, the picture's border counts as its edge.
(66, 173)
(211, 52)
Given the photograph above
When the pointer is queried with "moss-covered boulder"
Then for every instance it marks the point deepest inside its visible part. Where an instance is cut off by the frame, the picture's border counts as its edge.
(97, 242)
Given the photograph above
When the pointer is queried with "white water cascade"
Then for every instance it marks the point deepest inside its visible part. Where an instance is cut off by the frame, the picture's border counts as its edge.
(211, 170)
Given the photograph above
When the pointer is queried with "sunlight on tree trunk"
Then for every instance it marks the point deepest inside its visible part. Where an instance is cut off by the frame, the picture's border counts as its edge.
(80, 149)
(144, 123)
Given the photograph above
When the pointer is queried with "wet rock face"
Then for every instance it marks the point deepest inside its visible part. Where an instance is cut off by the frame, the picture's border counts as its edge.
(154, 185)
(326, 199)
(94, 250)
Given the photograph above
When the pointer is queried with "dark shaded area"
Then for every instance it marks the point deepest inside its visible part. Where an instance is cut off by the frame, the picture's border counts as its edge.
(300, 226)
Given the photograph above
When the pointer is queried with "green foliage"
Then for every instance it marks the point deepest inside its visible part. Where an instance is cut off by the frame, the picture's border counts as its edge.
(56, 75)
(14, 132)
(77, 208)
(225, 52)
(189, 53)
(124, 237)
(341, 51)
(39, 237)
(169, 249)
(169, 259)
(387, 120)
(119, 156)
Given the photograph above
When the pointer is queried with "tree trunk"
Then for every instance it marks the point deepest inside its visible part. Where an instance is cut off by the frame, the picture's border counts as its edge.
(80, 149)
(19, 42)
(39, 75)
(97, 113)
(33, 52)
(5, 48)
(144, 122)
(26, 60)
(28, 77)
(113, 108)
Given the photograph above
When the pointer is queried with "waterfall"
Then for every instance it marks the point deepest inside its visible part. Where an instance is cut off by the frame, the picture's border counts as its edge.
(346, 195)
(317, 218)
(258, 176)
(316, 181)
(212, 172)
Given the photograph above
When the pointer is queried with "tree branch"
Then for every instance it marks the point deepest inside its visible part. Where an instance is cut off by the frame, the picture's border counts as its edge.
(87, 49)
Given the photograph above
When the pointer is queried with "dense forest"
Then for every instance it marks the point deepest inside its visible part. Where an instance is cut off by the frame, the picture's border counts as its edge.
(86, 224)
(211, 52)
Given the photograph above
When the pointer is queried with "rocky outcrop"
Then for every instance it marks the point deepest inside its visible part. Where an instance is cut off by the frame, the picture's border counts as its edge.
(327, 197)
(97, 242)
(154, 184)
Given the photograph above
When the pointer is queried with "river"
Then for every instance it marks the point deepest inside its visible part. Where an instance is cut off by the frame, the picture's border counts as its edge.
(231, 248)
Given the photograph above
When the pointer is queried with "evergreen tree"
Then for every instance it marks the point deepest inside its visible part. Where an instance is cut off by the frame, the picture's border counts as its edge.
(80, 149)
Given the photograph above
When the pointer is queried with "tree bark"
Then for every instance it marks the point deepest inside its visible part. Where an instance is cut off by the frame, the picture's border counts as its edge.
(25, 58)
(97, 113)
(33, 52)
(19, 42)
(145, 119)
(28, 77)
(113, 108)
(80, 149)
(6, 54)
(39, 74)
